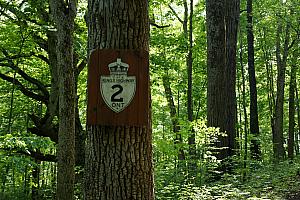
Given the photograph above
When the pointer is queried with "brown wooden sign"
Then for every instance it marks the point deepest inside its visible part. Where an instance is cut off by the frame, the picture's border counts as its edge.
(118, 88)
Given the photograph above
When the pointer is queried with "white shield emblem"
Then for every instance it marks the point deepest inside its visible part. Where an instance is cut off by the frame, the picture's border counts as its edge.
(118, 89)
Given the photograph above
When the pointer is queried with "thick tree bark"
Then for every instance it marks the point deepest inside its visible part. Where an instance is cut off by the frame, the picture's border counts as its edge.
(118, 158)
(232, 16)
(215, 66)
(254, 125)
(222, 20)
(64, 14)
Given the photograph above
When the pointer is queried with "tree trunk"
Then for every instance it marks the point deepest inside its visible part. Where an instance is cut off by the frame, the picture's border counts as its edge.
(215, 67)
(168, 91)
(118, 158)
(291, 139)
(244, 109)
(188, 34)
(232, 15)
(298, 117)
(270, 80)
(4, 177)
(278, 139)
(36, 181)
(173, 114)
(191, 139)
(254, 125)
(222, 21)
(64, 14)
(190, 69)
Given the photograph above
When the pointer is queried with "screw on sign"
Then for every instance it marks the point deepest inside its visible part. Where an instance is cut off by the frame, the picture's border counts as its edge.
(117, 89)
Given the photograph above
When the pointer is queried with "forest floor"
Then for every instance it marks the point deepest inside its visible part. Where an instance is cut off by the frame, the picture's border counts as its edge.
(276, 181)
(280, 181)
(264, 181)
(293, 196)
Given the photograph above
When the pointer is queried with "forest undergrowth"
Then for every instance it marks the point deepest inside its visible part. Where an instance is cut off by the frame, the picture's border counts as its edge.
(262, 180)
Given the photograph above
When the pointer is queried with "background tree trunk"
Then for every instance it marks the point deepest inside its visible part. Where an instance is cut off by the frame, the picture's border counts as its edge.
(278, 139)
(291, 139)
(254, 125)
(298, 117)
(36, 180)
(232, 15)
(173, 115)
(244, 106)
(215, 66)
(222, 21)
(118, 158)
(192, 137)
(190, 73)
(64, 14)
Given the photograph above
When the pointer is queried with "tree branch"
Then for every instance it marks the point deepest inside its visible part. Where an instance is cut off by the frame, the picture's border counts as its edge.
(159, 26)
(24, 75)
(9, 58)
(20, 15)
(80, 67)
(42, 129)
(24, 90)
(241, 11)
(40, 41)
(293, 42)
(43, 58)
(176, 15)
(40, 156)
(33, 154)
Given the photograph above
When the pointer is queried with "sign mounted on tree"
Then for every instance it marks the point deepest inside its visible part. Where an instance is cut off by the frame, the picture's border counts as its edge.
(118, 87)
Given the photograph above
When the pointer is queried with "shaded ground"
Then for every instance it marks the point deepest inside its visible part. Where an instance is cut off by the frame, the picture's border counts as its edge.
(293, 196)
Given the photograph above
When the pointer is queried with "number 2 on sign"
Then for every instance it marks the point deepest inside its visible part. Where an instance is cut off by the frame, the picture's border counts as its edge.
(114, 97)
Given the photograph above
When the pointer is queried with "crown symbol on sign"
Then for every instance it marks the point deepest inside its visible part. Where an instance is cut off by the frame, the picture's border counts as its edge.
(118, 67)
